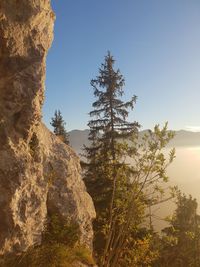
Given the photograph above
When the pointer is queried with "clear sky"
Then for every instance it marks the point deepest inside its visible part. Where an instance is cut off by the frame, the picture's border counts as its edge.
(156, 44)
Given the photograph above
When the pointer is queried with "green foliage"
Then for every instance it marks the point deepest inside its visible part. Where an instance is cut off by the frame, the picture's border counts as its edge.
(149, 162)
(60, 248)
(139, 252)
(49, 255)
(61, 230)
(104, 171)
(180, 244)
(59, 127)
(141, 187)
(121, 190)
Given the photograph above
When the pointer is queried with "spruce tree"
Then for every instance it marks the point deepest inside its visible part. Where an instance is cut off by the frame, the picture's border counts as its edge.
(59, 127)
(108, 127)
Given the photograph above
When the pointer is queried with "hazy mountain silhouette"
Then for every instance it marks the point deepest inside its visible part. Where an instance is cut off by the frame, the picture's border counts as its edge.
(186, 138)
(78, 138)
(182, 138)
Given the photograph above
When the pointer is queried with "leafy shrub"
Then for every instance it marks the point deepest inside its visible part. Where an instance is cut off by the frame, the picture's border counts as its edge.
(49, 255)
(60, 247)
(61, 230)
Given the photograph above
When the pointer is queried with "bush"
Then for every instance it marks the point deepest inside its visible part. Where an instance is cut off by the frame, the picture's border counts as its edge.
(49, 255)
(60, 247)
(61, 230)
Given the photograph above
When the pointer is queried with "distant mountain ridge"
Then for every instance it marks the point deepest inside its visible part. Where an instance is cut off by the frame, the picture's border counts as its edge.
(182, 138)
(185, 138)
(78, 138)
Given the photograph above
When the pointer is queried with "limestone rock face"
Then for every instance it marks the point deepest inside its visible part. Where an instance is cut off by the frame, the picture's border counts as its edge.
(39, 175)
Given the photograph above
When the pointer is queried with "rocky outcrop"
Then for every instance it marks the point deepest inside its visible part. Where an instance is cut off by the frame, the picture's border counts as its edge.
(39, 175)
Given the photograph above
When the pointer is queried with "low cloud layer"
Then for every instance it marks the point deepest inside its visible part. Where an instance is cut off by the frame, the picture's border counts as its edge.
(193, 128)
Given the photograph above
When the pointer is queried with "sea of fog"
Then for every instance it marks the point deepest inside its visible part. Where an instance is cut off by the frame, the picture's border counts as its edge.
(185, 170)
(185, 173)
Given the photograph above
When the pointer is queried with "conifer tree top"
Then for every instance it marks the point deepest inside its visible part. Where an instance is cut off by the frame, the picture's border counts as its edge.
(110, 112)
(58, 124)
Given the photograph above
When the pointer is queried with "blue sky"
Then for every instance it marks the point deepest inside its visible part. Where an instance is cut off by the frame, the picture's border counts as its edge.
(156, 44)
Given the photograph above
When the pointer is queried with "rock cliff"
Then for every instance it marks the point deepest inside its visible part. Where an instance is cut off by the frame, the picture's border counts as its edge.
(39, 175)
